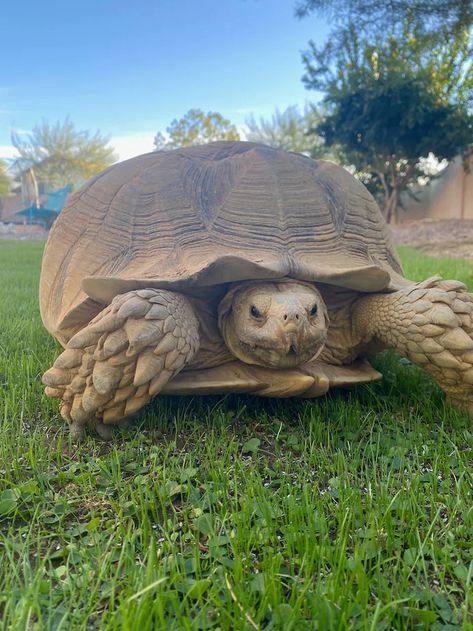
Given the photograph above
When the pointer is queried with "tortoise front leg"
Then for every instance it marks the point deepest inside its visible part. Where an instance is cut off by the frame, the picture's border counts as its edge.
(430, 323)
(126, 355)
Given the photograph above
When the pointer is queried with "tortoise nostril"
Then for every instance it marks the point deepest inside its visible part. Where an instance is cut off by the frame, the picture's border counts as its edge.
(285, 316)
(297, 316)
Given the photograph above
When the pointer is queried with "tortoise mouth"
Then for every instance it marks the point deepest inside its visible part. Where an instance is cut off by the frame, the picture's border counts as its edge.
(276, 357)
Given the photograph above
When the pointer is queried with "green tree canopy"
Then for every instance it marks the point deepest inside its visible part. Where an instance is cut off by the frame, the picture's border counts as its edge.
(61, 155)
(381, 16)
(289, 130)
(196, 128)
(5, 183)
(392, 101)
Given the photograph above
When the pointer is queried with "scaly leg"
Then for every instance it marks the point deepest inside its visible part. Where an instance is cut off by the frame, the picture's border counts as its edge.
(126, 355)
(431, 323)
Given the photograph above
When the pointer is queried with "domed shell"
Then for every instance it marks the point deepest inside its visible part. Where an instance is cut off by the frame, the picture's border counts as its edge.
(207, 215)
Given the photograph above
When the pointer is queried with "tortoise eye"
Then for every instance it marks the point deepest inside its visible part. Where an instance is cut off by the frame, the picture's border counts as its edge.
(314, 310)
(254, 312)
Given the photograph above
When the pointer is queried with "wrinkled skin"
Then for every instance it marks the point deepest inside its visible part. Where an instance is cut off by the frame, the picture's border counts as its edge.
(278, 324)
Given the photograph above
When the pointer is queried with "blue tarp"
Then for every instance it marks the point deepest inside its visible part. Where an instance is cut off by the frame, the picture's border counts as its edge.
(49, 209)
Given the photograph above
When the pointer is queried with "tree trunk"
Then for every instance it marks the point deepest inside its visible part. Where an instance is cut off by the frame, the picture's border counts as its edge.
(390, 208)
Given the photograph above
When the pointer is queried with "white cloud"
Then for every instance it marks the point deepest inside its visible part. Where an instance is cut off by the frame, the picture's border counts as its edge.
(248, 110)
(7, 152)
(133, 144)
(126, 146)
(243, 131)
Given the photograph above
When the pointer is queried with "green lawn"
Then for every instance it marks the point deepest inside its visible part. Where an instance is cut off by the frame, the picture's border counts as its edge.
(353, 511)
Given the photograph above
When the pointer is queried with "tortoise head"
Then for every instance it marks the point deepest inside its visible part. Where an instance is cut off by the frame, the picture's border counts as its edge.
(280, 324)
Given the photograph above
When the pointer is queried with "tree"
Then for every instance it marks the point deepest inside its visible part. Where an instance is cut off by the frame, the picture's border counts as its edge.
(392, 101)
(4, 179)
(196, 128)
(61, 155)
(374, 16)
(290, 130)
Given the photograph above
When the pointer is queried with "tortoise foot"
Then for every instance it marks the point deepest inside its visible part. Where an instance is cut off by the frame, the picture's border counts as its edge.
(126, 355)
(431, 323)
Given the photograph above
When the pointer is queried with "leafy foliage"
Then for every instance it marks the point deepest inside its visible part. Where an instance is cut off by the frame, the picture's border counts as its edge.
(61, 155)
(289, 130)
(196, 128)
(4, 179)
(392, 101)
(372, 16)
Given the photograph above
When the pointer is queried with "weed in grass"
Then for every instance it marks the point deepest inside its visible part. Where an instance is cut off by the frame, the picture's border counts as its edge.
(349, 512)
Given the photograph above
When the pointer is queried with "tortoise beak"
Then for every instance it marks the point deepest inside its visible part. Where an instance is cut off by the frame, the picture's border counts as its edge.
(292, 319)
(292, 343)
(291, 328)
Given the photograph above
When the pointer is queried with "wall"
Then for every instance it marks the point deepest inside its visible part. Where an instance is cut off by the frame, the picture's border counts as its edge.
(448, 197)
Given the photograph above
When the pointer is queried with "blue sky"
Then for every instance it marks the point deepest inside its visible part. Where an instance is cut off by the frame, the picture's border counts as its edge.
(128, 67)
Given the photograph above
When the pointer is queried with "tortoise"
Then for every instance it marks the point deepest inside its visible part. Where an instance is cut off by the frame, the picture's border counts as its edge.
(234, 267)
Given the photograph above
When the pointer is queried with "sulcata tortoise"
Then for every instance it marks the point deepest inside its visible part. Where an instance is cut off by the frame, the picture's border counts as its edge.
(234, 267)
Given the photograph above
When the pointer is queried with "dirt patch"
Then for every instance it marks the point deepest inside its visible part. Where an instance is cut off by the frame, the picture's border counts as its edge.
(451, 237)
(23, 235)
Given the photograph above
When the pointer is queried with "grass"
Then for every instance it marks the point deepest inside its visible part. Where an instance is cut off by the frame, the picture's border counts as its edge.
(353, 511)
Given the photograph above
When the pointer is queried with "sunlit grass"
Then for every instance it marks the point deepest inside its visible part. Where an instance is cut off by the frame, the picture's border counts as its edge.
(353, 511)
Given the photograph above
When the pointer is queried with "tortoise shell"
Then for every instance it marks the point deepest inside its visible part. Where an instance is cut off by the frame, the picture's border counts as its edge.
(208, 215)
